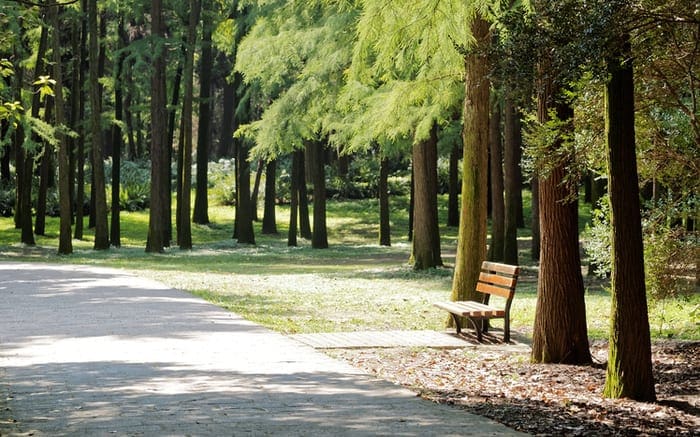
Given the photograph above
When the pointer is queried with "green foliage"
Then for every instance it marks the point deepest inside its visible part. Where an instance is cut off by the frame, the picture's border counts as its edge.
(135, 184)
(7, 199)
(222, 182)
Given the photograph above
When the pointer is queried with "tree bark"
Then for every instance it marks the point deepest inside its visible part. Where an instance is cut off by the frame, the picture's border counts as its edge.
(304, 223)
(244, 218)
(184, 226)
(535, 219)
(513, 200)
(453, 194)
(269, 224)
(65, 242)
(160, 167)
(98, 171)
(497, 201)
(426, 233)
(629, 372)
(256, 189)
(39, 69)
(201, 202)
(471, 244)
(319, 236)
(79, 200)
(384, 212)
(560, 334)
(117, 142)
(297, 159)
(44, 177)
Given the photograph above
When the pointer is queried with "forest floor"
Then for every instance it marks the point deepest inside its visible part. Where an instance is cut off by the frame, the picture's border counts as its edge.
(546, 399)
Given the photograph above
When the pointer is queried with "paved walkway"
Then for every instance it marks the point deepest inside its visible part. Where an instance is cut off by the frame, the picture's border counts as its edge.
(88, 351)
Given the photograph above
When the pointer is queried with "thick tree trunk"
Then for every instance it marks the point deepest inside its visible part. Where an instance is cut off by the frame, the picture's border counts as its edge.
(256, 189)
(117, 142)
(319, 236)
(65, 242)
(560, 334)
(160, 166)
(535, 219)
(426, 233)
(497, 201)
(629, 371)
(98, 171)
(201, 202)
(226, 139)
(269, 224)
(304, 222)
(453, 194)
(184, 226)
(297, 160)
(24, 168)
(471, 244)
(411, 204)
(244, 218)
(513, 199)
(383, 193)
(39, 69)
(44, 178)
(79, 201)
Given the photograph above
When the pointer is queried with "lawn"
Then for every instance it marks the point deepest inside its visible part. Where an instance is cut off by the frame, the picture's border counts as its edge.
(353, 285)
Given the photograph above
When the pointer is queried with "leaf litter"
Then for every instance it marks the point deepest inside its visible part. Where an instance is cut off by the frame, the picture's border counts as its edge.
(546, 399)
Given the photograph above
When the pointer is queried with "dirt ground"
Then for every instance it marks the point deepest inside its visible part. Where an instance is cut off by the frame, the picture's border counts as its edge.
(546, 399)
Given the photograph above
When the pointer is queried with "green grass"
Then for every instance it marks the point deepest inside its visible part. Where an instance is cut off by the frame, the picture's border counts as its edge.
(353, 285)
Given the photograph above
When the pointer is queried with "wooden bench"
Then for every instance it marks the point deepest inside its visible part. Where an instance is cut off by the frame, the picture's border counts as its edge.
(494, 279)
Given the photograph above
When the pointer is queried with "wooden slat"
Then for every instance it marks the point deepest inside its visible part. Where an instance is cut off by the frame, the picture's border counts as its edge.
(506, 281)
(500, 268)
(494, 289)
(470, 309)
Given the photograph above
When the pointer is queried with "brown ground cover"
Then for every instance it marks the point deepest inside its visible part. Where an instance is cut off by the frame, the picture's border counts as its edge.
(501, 384)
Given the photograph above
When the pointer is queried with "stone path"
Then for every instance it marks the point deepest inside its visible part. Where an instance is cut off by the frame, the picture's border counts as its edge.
(91, 351)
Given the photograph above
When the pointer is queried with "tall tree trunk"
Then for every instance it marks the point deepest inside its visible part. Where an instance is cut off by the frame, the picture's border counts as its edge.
(269, 224)
(304, 223)
(184, 226)
(172, 113)
(497, 201)
(384, 212)
(160, 167)
(201, 203)
(629, 371)
(297, 160)
(117, 142)
(226, 138)
(65, 242)
(411, 204)
(244, 218)
(39, 69)
(560, 334)
(511, 163)
(79, 200)
(453, 194)
(4, 156)
(425, 253)
(471, 245)
(319, 238)
(535, 219)
(44, 178)
(98, 171)
(256, 189)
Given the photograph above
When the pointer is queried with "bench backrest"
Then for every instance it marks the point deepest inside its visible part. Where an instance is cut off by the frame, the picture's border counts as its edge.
(498, 279)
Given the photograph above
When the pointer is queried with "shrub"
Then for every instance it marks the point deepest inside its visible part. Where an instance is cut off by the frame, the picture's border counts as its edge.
(222, 181)
(7, 199)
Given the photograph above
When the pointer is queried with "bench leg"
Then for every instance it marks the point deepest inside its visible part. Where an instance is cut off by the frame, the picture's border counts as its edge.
(458, 325)
(476, 323)
(506, 329)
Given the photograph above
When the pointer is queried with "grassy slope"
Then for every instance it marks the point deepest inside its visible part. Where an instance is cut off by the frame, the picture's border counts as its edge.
(354, 285)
